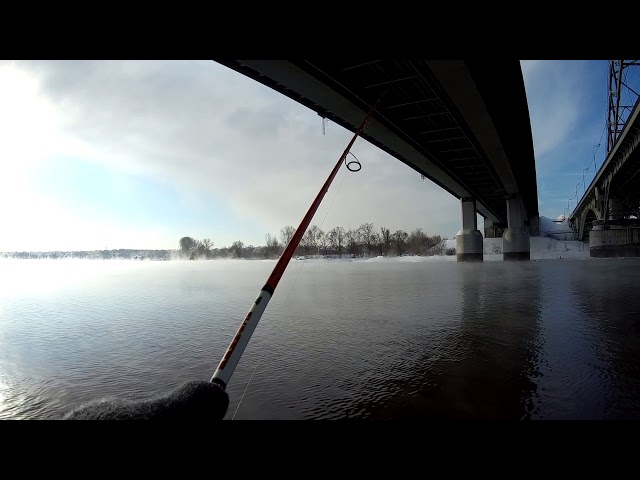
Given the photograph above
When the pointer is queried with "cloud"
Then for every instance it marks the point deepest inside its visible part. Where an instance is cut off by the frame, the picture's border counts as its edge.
(207, 130)
(211, 133)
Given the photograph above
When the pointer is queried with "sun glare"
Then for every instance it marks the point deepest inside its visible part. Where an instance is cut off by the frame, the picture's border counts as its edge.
(28, 122)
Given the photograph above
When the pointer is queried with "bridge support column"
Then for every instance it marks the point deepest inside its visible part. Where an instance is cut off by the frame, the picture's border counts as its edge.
(534, 226)
(492, 230)
(469, 239)
(515, 240)
(616, 208)
(489, 229)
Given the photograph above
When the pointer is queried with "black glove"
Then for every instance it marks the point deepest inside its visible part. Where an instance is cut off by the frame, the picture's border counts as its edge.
(198, 400)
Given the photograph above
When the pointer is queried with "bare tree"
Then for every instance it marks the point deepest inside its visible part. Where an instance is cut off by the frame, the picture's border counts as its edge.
(272, 246)
(436, 245)
(366, 234)
(336, 237)
(249, 251)
(208, 244)
(309, 239)
(417, 242)
(237, 248)
(385, 235)
(199, 251)
(437, 242)
(399, 239)
(306, 243)
(323, 242)
(187, 244)
(377, 241)
(286, 233)
(314, 240)
(351, 240)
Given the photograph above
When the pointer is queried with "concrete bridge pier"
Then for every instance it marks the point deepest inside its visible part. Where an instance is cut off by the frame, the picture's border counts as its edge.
(615, 238)
(515, 240)
(469, 240)
(492, 230)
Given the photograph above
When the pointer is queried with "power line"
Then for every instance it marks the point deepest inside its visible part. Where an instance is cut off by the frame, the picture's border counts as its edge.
(618, 121)
(592, 160)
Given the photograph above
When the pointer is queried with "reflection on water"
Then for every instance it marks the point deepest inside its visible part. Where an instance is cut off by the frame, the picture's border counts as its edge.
(532, 340)
(591, 353)
(484, 364)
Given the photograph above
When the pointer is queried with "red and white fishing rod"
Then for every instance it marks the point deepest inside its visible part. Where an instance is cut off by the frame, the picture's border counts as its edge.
(237, 346)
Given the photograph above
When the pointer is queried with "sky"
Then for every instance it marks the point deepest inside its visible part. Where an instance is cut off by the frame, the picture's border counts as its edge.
(136, 154)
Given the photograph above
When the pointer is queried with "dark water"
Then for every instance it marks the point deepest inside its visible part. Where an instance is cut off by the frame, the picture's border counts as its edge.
(391, 340)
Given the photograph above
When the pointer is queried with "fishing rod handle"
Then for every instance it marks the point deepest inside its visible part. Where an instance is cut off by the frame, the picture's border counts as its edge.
(233, 354)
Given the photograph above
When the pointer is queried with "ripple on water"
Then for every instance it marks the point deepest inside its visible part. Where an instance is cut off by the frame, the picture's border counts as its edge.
(352, 339)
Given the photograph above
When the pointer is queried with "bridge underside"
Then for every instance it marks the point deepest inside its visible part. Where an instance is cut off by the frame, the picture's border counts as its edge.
(625, 185)
(463, 125)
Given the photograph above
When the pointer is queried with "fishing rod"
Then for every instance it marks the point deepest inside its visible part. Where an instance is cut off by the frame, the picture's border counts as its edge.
(237, 346)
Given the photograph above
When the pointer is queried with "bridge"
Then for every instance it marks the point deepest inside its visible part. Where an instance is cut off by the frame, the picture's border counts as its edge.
(462, 124)
(607, 214)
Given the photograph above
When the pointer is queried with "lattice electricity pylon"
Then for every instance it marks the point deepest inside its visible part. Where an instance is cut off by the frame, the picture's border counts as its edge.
(621, 97)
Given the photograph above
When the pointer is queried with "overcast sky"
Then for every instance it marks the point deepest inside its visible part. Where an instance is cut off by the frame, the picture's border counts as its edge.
(136, 154)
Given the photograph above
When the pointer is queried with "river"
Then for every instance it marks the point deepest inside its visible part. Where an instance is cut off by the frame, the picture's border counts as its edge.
(341, 339)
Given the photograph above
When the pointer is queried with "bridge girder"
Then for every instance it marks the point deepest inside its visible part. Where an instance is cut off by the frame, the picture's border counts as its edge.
(619, 175)
(462, 124)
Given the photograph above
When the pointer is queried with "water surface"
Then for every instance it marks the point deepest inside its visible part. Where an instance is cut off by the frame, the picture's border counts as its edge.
(347, 339)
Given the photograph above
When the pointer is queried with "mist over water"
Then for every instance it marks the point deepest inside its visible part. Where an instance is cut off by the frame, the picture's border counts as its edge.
(350, 339)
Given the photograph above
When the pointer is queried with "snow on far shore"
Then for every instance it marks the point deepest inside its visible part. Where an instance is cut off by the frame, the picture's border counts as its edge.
(542, 248)
(559, 228)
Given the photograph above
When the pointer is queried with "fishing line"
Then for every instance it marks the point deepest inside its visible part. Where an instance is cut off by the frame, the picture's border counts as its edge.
(333, 199)
(285, 303)
(233, 354)
(264, 354)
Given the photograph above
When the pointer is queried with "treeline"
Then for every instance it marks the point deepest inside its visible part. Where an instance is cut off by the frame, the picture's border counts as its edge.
(365, 240)
(114, 254)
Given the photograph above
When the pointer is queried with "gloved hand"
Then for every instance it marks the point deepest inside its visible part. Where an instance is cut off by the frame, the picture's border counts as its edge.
(197, 400)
